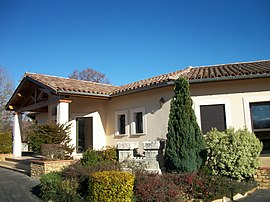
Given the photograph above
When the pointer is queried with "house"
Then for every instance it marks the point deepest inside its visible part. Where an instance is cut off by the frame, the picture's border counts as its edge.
(228, 95)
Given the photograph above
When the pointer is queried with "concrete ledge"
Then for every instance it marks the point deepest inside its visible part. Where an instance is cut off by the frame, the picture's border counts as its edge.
(127, 145)
(4, 156)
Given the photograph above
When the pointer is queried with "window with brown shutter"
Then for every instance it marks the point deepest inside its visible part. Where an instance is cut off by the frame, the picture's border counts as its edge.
(213, 116)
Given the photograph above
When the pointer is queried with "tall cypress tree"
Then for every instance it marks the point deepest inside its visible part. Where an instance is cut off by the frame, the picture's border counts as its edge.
(185, 145)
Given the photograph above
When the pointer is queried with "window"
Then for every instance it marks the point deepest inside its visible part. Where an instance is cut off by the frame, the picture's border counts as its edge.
(260, 119)
(121, 126)
(138, 121)
(213, 116)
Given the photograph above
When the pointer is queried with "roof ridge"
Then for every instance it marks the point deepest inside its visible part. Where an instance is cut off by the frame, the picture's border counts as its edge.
(153, 77)
(255, 61)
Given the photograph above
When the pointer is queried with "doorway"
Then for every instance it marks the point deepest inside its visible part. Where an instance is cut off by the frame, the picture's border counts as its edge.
(84, 133)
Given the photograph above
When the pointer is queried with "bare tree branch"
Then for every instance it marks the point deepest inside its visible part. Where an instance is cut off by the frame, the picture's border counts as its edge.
(6, 90)
(89, 74)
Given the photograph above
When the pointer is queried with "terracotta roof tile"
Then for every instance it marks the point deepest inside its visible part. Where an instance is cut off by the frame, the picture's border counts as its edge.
(202, 73)
(72, 85)
(230, 70)
(151, 81)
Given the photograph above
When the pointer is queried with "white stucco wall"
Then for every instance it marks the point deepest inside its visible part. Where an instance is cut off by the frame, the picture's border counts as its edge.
(85, 107)
(156, 116)
(236, 95)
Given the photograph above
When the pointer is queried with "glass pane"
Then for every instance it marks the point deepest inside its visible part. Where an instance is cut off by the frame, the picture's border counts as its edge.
(122, 124)
(139, 122)
(260, 114)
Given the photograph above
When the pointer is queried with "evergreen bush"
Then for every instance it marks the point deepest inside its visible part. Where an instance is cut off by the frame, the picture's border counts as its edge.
(185, 145)
(51, 133)
(234, 154)
(90, 157)
(5, 142)
(111, 186)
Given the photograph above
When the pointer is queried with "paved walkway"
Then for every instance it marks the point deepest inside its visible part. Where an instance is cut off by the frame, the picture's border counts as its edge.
(262, 195)
(17, 187)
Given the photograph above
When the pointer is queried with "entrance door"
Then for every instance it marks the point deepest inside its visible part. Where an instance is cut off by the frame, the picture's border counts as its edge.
(84, 133)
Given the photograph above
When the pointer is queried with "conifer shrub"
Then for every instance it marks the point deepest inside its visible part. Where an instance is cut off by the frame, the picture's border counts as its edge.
(111, 186)
(51, 134)
(233, 154)
(5, 142)
(90, 157)
(185, 145)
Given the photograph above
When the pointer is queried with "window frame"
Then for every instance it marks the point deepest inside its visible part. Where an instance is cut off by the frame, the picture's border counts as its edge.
(117, 122)
(223, 118)
(251, 115)
(133, 113)
(208, 101)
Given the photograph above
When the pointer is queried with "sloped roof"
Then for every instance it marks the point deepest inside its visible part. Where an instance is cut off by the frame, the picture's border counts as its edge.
(202, 73)
(151, 81)
(59, 84)
(230, 70)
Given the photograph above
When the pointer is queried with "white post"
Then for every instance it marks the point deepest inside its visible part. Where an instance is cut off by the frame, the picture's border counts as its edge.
(17, 140)
(63, 111)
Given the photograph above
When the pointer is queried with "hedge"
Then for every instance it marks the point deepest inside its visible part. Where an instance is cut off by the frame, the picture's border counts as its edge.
(111, 186)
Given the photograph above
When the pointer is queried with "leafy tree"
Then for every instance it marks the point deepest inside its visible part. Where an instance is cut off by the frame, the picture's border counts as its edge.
(89, 74)
(6, 90)
(185, 145)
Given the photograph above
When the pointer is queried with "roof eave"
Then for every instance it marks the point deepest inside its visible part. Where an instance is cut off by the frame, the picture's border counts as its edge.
(84, 94)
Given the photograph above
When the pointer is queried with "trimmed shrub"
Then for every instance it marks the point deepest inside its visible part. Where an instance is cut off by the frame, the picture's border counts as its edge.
(82, 173)
(51, 133)
(54, 188)
(234, 154)
(185, 145)
(5, 143)
(111, 186)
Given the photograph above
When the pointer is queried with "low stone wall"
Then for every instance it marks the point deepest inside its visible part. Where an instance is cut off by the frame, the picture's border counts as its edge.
(263, 178)
(152, 160)
(40, 167)
(4, 156)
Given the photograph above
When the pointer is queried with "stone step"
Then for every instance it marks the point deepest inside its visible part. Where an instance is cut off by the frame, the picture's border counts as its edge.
(15, 166)
(21, 160)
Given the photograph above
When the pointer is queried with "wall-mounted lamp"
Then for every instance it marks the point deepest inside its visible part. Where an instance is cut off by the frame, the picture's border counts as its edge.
(161, 101)
(19, 94)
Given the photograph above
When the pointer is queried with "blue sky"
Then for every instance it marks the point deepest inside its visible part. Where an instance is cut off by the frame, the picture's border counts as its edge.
(130, 40)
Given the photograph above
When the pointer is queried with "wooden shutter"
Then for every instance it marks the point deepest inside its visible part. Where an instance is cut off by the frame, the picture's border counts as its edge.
(213, 116)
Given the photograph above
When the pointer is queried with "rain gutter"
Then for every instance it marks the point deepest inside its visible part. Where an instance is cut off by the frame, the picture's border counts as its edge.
(202, 80)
